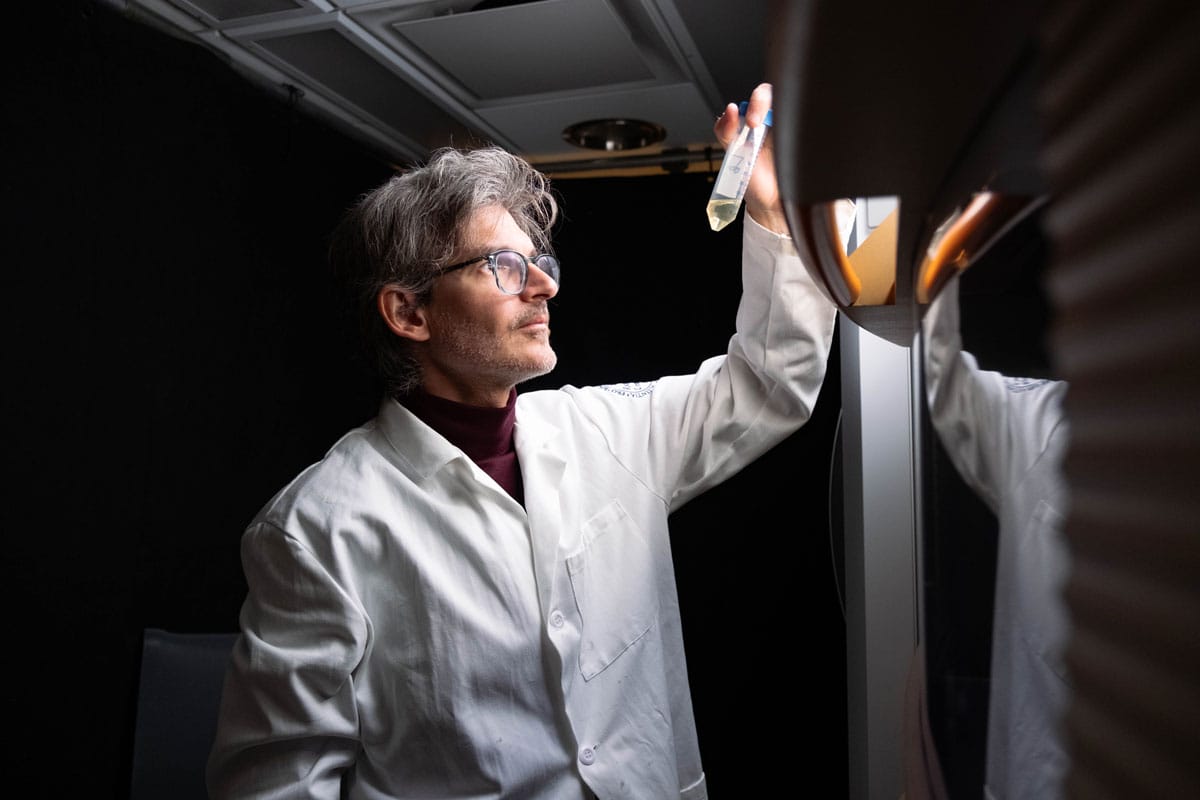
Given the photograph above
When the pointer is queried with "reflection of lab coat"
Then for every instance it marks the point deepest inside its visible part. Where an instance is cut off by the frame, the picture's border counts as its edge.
(1007, 437)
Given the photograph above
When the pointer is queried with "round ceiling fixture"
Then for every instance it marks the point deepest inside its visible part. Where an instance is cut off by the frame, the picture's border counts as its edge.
(614, 134)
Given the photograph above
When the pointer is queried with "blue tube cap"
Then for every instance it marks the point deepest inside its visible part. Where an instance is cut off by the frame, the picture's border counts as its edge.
(746, 104)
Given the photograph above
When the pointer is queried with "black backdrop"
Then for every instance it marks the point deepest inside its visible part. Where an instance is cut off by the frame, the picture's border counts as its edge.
(172, 357)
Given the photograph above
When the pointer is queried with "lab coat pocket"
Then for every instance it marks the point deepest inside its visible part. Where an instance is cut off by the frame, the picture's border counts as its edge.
(612, 577)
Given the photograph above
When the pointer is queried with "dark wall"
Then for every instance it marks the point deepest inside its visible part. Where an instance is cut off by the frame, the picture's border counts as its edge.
(172, 358)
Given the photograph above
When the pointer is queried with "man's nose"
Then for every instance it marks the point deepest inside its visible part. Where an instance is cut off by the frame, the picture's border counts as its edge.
(538, 283)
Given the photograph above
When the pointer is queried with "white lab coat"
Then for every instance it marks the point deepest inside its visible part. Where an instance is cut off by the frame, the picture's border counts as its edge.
(1007, 437)
(411, 624)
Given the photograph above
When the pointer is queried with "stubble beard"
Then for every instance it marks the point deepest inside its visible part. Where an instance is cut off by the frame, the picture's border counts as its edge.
(478, 349)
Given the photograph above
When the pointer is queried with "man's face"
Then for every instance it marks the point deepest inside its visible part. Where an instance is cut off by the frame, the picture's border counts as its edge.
(483, 342)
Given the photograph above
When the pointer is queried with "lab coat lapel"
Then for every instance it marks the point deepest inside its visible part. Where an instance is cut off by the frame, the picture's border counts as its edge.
(543, 465)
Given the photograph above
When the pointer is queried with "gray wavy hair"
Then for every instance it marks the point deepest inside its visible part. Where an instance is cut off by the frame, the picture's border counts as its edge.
(407, 229)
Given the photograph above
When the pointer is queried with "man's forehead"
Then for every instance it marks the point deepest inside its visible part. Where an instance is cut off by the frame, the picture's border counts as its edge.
(492, 228)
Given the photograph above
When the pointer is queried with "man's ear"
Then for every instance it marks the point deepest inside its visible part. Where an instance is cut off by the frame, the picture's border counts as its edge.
(402, 314)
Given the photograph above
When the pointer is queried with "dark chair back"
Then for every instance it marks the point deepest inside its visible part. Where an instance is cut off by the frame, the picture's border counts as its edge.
(179, 692)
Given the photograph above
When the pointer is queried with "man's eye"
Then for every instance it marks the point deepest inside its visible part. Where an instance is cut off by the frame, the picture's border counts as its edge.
(508, 263)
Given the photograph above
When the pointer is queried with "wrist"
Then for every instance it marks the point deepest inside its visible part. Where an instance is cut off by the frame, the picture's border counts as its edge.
(773, 220)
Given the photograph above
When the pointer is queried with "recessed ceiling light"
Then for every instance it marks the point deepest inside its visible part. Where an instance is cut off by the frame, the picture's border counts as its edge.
(614, 134)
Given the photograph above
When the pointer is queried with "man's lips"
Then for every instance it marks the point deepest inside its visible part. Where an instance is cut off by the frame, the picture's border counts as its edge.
(538, 319)
(535, 328)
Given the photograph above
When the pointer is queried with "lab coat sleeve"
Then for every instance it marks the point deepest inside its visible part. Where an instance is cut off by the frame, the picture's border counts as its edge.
(966, 404)
(992, 426)
(685, 434)
(288, 723)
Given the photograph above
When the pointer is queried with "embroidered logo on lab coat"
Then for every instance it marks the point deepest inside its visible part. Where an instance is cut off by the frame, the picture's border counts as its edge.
(1023, 384)
(638, 389)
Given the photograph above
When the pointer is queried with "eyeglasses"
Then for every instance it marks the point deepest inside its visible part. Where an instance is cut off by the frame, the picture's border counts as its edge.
(511, 269)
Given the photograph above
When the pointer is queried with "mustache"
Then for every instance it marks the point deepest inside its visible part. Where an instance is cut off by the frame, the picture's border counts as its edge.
(541, 311)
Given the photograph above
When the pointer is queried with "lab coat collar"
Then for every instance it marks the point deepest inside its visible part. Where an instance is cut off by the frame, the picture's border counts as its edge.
(419, 452)
(416, 448)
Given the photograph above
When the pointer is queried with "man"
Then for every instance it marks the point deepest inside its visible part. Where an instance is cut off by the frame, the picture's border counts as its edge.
(473, 595)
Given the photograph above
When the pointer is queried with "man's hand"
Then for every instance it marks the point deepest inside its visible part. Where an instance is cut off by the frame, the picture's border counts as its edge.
(762, 199)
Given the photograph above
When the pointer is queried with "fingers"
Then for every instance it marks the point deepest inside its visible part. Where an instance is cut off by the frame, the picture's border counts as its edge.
(726, 126)
(760, 103)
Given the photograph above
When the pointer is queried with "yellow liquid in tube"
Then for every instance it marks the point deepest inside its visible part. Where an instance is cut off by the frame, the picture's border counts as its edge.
(734, 175)
(721, 212)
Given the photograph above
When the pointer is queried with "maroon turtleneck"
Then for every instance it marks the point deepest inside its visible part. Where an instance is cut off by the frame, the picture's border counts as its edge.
(484, 434)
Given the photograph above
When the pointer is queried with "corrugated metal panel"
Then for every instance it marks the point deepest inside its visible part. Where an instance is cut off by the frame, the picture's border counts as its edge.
(1121, 99)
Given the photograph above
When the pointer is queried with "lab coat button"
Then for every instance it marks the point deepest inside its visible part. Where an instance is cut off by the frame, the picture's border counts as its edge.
(587, 756)
(556, 619)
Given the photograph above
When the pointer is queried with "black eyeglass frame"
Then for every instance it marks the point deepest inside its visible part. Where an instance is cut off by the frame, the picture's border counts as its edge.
(494, 267)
